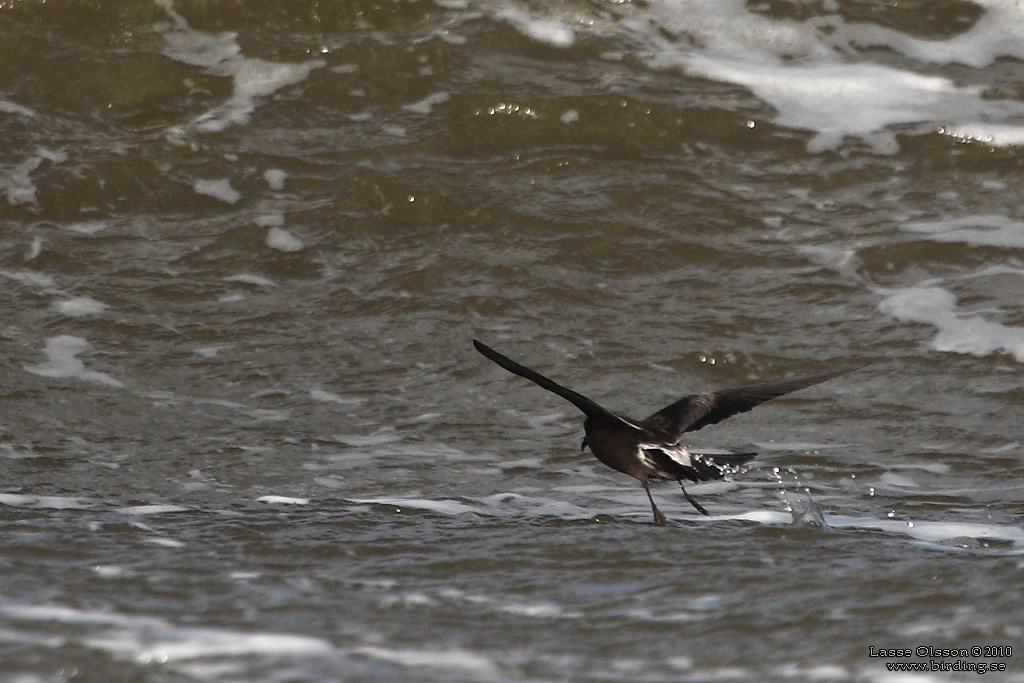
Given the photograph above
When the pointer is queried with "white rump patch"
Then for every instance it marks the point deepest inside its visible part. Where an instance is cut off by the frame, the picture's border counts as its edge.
(678, 455)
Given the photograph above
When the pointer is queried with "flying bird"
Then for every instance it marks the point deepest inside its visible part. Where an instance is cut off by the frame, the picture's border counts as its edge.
(649, 449)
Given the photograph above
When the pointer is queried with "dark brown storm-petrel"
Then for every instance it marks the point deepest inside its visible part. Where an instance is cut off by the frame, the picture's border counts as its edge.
(649, 449)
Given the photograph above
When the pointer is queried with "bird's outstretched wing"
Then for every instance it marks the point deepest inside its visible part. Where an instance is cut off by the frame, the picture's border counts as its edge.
(589, 408)
(700, 410)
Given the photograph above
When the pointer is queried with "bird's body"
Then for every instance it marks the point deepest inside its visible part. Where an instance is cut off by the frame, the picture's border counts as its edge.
(649, 449)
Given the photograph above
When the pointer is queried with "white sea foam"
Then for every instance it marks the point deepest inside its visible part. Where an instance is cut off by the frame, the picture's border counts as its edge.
(79, 306)
(332, 482)
(282, 240)
(61, 352)
(16, 499)
(151, 640)
(50, 155)
(856, 100)
(479, 666)
(273, 219)
(816, 73)
(933, 467)
(253, 78)
(220, 55)
(60, 502)
(680, 662)
(994, 230)
(244, 575)
(427, 104)
(516, 505)
(209, 351)
(8, 107)
(835, 96)
(52, 502)
(761, 516)
(934, 532)
(647, 615)
(524, 463)
(275, 178)
(87, 227)
(901, 481)
(408, 599)
(998, 32)
(543, 610)
(29, 278)
(445, 507)
(926, 531)
(70, 615)
(144, 510)
(380, 437)
(283, 500)
(110, 571)
(324, 396)
(35, 248)
(1002, 448)
(958, 331)
(16, 182)
(541, 506)
(550, 31)
(218, 189)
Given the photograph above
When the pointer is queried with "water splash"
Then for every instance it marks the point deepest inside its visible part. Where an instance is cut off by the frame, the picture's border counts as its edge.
(798, 502)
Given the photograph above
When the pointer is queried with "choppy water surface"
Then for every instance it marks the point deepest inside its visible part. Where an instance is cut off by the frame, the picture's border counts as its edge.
(245, 247)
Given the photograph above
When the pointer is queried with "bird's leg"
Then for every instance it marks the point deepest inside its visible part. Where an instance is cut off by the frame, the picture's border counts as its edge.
(659, 518)
(693, 501)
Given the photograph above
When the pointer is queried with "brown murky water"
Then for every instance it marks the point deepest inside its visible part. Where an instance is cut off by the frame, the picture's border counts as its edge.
(244, 435)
